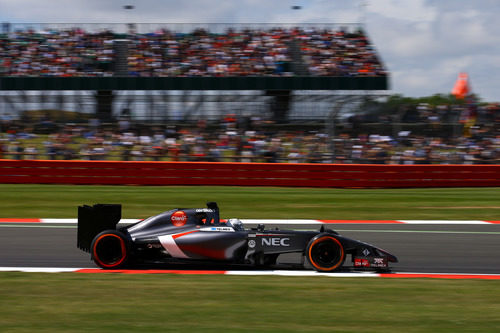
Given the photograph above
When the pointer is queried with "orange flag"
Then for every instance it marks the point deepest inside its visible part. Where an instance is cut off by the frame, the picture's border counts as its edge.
(461, 87)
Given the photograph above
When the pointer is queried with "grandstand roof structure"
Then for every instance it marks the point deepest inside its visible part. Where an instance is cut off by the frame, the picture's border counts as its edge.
(194, 83)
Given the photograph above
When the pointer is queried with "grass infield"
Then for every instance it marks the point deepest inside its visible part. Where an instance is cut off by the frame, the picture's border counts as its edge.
(68, 302)
(61, 201)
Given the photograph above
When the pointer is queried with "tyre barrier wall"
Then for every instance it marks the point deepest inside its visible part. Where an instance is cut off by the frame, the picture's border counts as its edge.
(246, 174)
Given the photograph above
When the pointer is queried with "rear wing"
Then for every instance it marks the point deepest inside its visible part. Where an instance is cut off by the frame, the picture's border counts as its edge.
(94, 219)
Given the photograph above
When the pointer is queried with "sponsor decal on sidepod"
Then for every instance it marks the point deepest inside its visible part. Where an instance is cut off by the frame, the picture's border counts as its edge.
(179, 218)
(276, 241)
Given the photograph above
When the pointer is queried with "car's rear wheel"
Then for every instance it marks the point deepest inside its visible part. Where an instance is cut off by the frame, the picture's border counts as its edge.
(325, 253)
(110, 249)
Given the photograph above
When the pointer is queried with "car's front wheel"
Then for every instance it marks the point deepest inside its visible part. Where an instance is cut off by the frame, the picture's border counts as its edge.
(325, 253)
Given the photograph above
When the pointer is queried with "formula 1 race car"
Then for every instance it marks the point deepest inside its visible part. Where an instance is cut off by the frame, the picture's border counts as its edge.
(197, 235)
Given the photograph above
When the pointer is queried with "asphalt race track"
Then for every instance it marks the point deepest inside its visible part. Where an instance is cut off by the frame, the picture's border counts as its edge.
(447, 248)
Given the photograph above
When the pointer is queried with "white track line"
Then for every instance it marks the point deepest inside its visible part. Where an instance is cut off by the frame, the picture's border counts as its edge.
(38, 269)
(302, 273)
(259, 273)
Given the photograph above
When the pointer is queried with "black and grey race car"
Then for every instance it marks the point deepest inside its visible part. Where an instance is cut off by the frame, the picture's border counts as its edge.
(199, 235)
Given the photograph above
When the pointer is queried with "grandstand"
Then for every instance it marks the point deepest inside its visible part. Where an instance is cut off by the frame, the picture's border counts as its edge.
(219, 92)
(239, 51)
(173, 67)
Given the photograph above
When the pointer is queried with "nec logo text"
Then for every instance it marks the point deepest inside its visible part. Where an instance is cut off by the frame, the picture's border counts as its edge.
(274, 241)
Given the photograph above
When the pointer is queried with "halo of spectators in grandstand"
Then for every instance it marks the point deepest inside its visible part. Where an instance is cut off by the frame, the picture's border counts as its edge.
(75, 52)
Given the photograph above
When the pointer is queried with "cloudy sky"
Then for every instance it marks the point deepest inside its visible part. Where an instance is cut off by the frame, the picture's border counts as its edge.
(424, 43)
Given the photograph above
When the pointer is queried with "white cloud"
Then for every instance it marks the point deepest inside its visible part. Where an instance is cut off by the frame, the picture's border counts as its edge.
(413, 11)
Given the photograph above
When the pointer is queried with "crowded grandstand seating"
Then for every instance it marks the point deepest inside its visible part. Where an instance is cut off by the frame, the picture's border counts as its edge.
(56, 53)
(246, 52)
(339, 53)
(249, 52)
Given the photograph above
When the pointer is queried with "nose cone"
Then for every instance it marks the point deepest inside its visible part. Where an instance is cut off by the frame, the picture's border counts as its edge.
(390, 257)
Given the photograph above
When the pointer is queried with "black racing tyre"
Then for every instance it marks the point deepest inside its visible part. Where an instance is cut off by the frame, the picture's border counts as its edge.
(325, 253)
(110, 249)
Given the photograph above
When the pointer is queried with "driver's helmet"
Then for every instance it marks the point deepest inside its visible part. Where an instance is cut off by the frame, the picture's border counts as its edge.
(237, 224)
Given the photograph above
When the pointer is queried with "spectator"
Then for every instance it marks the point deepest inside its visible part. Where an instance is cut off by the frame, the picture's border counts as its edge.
(222, 144)
(249, 52)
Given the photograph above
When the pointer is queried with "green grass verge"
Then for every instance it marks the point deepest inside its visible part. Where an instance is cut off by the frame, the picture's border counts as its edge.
(70, 302)
(61, 201)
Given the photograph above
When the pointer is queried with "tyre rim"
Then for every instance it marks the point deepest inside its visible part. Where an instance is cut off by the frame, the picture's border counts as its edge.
(109, 250)
(326, 254)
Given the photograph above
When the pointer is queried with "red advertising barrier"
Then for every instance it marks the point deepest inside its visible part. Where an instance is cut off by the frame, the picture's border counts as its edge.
(246, 174)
